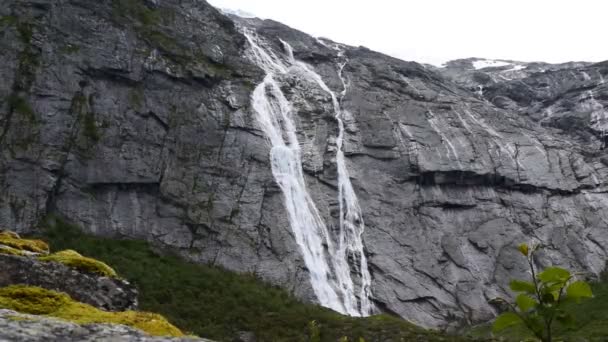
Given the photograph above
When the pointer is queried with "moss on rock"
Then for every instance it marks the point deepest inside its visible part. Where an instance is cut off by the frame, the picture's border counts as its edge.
(39, 301)
(14, 242)
(6, 250)
(74, 259)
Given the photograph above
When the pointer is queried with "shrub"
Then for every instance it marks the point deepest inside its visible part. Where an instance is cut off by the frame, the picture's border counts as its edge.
(541, 302)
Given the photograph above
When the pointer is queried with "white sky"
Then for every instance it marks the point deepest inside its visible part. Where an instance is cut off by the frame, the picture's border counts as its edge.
(435, 31)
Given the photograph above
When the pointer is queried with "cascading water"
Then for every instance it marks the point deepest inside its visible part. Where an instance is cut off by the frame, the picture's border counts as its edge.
(329, 269)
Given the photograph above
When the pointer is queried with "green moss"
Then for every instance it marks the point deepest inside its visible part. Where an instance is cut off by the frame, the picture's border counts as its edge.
(217, 304)
(161, 41)
(11, 251)
(80, 109)
(73, 259)
(70, 49)
(19, 105)
(26, 31)
(13, 241)
(90, 127)
(8, 20)
(39, 301)
(135, 10)
(136, 97)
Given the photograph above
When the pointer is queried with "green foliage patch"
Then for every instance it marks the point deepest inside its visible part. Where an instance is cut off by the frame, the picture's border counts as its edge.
(214, 303)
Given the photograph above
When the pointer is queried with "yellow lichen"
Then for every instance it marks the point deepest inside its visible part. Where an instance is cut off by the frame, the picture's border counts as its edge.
(13, 240)
(9, 234)
(39, 301)
(73, 259)
(11, 251)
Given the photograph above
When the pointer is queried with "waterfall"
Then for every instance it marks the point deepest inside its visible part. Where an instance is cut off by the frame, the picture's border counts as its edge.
(327, 261)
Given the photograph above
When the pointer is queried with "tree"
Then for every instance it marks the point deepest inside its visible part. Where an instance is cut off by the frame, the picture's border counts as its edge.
(540, 302)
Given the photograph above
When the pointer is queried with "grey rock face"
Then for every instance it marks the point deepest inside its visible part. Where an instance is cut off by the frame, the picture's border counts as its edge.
(136, 122)
(15, 326)
(102, 292)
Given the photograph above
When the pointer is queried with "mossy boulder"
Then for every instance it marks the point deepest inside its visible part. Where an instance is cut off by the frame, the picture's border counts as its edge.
(74, 259)
(39, 301)
(12, 243)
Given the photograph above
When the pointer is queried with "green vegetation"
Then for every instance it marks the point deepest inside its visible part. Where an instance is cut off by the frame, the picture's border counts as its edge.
(26, 31)
(136, 97)
(135, 10)
(19, 105)
(70, 49)
(15, 245)
(146, 21)
(551, 308)
(8, 20)
(591, 322)
(90, 127)
(73, 259)
(217, 304)
(80, 109)
(38, 301)
(540, 302)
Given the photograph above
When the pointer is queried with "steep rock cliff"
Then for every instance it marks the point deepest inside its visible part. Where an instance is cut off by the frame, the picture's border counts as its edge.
(133, 118)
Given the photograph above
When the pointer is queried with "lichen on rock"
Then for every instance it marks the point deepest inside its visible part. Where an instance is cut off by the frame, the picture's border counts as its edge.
(39, 301)
(74, 259)
(11, 251)
(12, 243)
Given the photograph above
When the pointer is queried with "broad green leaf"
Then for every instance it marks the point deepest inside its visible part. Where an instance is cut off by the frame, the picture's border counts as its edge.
(579, 289)
(505, 320)
(525, 302)
(523, 248)
(552, 287)
(522, 286)
(554, 274)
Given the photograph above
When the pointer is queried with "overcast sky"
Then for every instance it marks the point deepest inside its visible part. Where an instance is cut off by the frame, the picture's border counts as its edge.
(435, 31)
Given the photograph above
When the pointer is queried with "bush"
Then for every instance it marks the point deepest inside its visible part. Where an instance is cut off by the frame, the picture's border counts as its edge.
(541, 302)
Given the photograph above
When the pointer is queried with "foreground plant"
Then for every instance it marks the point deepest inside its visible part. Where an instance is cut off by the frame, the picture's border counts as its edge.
(541, 302)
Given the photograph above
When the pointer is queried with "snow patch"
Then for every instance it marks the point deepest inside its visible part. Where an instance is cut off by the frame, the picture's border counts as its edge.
(488, 63)
(516, 68)
(238, 13)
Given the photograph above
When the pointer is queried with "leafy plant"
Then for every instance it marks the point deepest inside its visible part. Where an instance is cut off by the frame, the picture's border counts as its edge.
(314, 331)
(541, 302)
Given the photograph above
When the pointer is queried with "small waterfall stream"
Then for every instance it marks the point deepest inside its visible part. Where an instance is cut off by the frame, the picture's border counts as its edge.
(326, 257)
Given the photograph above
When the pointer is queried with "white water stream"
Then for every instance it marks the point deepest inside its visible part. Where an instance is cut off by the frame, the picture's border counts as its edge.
(326, 257)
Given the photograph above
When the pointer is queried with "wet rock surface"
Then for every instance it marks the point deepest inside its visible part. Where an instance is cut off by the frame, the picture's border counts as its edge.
(105, 293)
(135, 121)
(15, 326)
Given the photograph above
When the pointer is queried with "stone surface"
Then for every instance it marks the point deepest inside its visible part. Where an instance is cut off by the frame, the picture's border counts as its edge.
(141, 127)
(20, 327)
(102, 292)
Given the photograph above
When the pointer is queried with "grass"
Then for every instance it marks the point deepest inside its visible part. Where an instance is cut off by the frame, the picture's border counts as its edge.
(214, 303)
